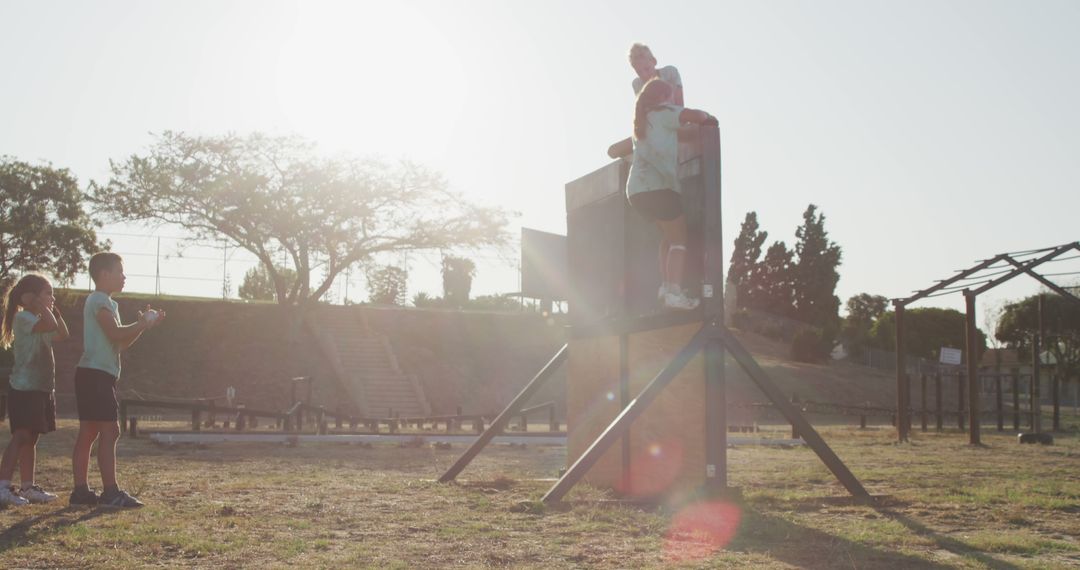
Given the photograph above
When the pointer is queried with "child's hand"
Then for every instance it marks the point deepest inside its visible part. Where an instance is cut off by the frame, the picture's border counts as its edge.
(150, 317)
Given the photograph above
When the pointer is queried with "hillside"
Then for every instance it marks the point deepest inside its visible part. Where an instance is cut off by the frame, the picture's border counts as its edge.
(474, 360)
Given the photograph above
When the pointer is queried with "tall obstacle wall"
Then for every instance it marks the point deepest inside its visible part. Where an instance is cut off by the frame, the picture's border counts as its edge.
(613, 263)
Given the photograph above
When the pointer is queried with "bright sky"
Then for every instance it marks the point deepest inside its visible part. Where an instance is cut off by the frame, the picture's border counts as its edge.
(930, 133)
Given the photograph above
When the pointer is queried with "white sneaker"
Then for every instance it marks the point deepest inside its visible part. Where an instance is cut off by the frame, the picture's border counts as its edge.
(9, 497)
(680, 301)
(662, 292)
(36, 494)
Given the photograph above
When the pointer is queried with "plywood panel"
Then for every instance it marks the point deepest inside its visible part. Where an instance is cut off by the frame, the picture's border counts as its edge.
(667, 445)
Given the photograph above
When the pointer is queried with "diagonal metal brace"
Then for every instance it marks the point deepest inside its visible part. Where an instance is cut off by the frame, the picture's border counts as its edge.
(622, 422)
(512, 409)
(791, 414)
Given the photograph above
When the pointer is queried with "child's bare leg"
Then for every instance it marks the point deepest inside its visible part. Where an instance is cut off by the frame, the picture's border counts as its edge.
(11, 455)
(27, 458)
(80, 457)
(110, 433)
(675, 235)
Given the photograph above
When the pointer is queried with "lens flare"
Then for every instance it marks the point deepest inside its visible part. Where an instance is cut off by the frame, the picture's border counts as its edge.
(698, 531)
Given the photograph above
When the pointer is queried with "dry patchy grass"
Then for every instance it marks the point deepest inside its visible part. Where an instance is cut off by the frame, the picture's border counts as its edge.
(946, 505)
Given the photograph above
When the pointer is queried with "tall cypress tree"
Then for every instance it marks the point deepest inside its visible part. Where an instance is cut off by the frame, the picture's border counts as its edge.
(815, 273)
(745, 270)
(776, 294)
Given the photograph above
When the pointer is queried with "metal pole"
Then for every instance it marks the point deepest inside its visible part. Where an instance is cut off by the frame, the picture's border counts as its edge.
(974, 435)
(157, 269)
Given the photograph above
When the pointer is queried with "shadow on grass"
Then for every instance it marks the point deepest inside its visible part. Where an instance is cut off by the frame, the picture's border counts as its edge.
(35, 528)
(945, 543)
(805, 547)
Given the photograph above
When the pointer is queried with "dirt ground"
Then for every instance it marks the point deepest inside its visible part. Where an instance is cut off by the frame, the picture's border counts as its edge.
(943, 504)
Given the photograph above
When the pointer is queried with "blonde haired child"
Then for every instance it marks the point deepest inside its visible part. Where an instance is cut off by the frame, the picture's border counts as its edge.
(31, 323)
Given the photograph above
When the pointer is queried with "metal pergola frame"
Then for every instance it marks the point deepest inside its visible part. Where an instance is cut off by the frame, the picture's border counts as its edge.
(713, 338)
(946, 286)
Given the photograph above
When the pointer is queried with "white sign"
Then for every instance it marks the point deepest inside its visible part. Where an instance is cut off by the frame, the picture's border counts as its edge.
(951, 356)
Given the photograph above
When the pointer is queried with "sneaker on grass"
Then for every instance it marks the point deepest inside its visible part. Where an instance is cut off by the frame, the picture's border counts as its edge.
(9, 497)
(119, 499)
(680, 301)
(87, 497)
(35, 494)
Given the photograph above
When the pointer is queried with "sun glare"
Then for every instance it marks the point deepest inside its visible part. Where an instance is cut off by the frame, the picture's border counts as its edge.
(353, 76)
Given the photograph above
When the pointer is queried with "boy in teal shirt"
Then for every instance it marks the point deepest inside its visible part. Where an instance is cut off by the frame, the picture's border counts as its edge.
(104, 337)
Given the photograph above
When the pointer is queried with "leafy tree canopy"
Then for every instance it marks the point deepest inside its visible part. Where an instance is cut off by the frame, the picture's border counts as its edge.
(387, 285)
(926, 330)
(259, 286)
(1061, 324)
(275, 196)
(43, 226)
(457, 276)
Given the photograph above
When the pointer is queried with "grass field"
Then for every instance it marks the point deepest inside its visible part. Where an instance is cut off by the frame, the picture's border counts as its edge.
(944, 505)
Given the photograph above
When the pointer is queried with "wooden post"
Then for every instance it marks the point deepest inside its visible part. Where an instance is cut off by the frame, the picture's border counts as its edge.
(133, 431)
(1055, 390)
(211, 418)
(523, 423)
(922, 397)
(337, 418)
(553, 421)
(240, 421)
(123, 415)
(971, 338)
(1016, 398)
(1036, 372)
(195, 424)
(901, 377)
(938, 402)
(999, 402)
(960, 400)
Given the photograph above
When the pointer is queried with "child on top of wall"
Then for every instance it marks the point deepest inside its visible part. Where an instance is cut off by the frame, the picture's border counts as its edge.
(104, 337)
(31, 323)
(653, 183)
(644, 64)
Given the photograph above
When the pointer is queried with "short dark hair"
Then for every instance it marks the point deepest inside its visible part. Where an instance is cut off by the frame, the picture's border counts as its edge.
(103, 261)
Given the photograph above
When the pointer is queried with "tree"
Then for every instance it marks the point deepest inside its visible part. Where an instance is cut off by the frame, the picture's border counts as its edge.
(274, 196)
(745, 269)
(776, 293)
(1061, 323)
(259, 286)
(815, 273)
(43, 226)
(926, 331)
(862, 310)
(387, 285)
(457, 276)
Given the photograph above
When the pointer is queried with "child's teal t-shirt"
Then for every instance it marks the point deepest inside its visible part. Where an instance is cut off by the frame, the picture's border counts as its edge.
(35, 367)
(656, 157)
(99, 352)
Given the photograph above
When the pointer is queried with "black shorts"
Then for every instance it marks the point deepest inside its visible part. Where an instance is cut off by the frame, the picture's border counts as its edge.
(95, 395)
(31, 410)
(662, 205)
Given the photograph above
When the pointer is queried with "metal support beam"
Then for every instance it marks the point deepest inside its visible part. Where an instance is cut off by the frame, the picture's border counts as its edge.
(792, 415)
(507, 414)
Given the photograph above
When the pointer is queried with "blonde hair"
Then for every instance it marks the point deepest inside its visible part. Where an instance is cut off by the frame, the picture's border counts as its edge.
(639, 50)
(12, 300)
(653, 94)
